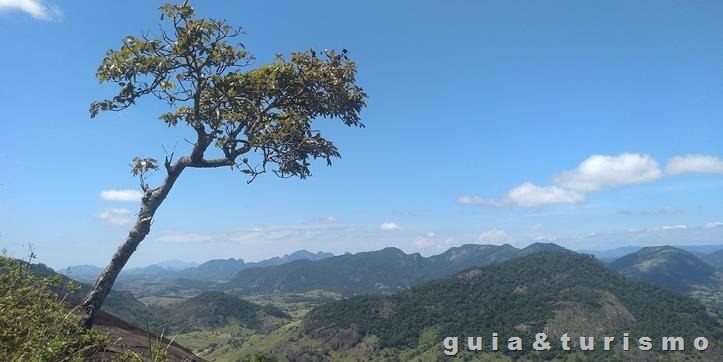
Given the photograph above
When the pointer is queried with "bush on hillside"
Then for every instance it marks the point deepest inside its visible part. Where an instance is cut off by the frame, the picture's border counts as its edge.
(35, 323)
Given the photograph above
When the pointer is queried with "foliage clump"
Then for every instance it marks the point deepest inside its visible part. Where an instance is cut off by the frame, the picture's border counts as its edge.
(35, 323)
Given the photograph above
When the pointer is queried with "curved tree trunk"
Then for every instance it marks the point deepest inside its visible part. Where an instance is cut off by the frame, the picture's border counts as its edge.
(150, 202)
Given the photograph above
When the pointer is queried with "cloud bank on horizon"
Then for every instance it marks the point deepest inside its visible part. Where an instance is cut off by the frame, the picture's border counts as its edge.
(596, 173)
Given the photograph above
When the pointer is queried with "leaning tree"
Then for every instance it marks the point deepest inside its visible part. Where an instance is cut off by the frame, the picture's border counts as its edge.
(256, 119)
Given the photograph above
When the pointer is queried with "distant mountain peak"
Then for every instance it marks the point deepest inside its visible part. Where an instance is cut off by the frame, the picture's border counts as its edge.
(392, 249)
(667, 266)
(537, 247)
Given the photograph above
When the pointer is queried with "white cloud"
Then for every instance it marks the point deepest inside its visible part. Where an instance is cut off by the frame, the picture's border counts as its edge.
(116, 217)
(545, 238)
(674, 227)
(495, 236)
(431, 242)
(388, 226)
(713, 224)
(528, 195)
(321, 221)
(694, 164)
(676, 235)
(596, 173)
(35, 8)
(425, 241)
(477, 200)
(261, 236)
(120, 195)
(273, 234)
(599, 171)
(531, 195)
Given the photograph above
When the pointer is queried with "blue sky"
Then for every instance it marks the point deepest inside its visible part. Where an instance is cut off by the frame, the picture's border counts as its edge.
(590, 124)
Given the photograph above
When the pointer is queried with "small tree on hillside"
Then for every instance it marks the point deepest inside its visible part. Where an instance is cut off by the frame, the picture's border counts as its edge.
(259, 119)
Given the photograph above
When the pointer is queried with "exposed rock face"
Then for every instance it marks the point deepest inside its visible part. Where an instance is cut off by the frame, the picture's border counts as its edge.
(579, 320)
(470, 274)
(337, 338)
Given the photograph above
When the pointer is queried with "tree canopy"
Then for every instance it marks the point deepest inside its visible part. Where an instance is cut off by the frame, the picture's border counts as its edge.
(196, 69)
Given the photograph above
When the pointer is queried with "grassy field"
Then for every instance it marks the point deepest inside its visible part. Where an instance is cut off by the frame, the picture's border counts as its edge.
(233, 341)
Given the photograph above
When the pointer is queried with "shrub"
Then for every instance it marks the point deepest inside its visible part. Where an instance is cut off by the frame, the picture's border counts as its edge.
(35, 322)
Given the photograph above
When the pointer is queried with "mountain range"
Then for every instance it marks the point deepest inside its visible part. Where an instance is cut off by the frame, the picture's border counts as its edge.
(212, 270)
(384, 271)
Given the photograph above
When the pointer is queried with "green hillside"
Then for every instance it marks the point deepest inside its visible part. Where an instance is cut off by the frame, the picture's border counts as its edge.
(215, 309)
(554, 293)
(668, 267)
(471, 255)
(715, 259)
(120, 303)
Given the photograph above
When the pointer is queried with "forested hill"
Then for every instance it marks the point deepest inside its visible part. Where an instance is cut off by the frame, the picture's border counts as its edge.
(715, 259)
(668, 267)
(553, 293)
(383, 271)
(214, 310)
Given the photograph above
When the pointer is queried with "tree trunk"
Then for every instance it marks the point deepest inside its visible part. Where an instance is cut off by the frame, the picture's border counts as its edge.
(152, 199)
(97, 294)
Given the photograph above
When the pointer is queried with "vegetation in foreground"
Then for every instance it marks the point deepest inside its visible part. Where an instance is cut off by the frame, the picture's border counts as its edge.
(40, 321)
(36, 323)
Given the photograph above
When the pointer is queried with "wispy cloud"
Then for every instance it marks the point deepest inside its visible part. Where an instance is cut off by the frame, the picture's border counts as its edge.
(694, 164)
(425, 241)
(34, 8)
(181, 236)
(477, 200)
(670, 210)
(495, 236)
(674, 227)
(121, 195)
(115, 216)
(674, 234)
(388, 226)
(322, 221)
(255, 243)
